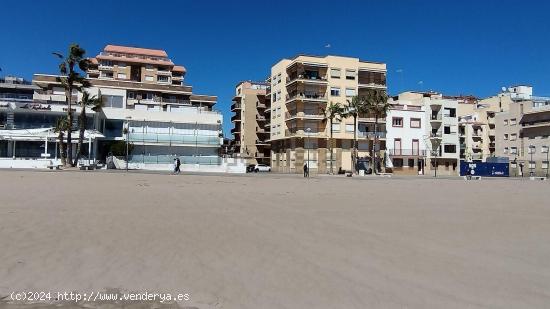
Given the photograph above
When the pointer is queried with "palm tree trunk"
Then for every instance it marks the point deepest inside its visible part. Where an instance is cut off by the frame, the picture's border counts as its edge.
(70, 127)
(375, 140)
(331, 148)
(354, 144)
(82, 128)
(61, 147)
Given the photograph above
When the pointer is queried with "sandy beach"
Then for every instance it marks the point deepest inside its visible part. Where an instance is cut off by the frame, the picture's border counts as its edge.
(278, 241)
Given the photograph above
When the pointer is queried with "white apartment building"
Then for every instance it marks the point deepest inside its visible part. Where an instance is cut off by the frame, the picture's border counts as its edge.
(405, 137)
(440, 137)
(146, 104)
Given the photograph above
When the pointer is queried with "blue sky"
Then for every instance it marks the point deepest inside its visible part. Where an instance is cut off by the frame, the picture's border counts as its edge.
(456, 47)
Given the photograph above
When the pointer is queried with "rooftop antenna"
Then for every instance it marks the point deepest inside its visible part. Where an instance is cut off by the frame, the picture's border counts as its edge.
(503, 89)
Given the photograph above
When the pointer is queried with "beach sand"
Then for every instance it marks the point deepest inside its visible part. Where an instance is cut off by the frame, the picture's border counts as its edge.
(277, 241)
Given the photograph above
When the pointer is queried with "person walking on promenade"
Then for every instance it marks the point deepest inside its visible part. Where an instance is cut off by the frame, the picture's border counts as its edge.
(306, 170)
(178, 164)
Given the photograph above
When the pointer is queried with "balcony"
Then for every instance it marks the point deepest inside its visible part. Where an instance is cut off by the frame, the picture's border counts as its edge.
(260, 142)
(436, 118)
(236, 117)
(261, 106)
(407, 152)
(436, 135)
(491, 120)
(313, 97)
(165, 73)
(477, 134)
(306, 79)
(371, 135)
(260, 118)
(435, 104)
(368, 79)
(302, 133)
(236, 131)
(235, 106)
(314, 115)
(492, 145)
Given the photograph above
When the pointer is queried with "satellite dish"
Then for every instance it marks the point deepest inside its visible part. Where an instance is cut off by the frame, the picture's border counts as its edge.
(503, 89)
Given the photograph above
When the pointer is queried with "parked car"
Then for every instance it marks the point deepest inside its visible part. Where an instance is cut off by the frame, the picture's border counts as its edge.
(250, 168)
(262, 168)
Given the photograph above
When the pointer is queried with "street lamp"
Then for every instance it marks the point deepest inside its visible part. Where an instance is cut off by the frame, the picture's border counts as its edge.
(547, 150)
(531, 150)
(308, 130)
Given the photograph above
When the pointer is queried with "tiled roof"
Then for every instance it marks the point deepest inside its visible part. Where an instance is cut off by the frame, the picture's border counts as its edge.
(135, 50)
(178, 68)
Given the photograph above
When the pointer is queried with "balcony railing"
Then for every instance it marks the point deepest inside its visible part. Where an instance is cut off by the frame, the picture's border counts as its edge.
(306, 96)
(371, 134)
(436, 135)
(407, 152)
(305, 77)
(436, 117)
(169, 159)
(166, 138)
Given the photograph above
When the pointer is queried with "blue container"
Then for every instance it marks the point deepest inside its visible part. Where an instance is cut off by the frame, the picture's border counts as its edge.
(485, 169)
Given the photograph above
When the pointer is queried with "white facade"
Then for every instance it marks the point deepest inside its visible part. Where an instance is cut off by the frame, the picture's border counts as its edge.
(405, 138)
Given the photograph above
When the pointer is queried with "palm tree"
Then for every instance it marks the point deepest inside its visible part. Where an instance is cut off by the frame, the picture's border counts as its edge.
(71, 80)
(334, 111)
(96, 104)
(61, 125)
(355, 107)
(376, 104)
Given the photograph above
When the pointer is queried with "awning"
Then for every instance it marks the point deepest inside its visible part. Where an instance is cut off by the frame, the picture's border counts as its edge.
(42, 134)
(533, 118)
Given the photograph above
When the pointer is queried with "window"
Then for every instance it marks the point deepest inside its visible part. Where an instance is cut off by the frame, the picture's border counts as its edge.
(121, 65)
(349, 127)
(544, 149)
(335, 73)
(449, 148)
(449, 112)
(513, 121)
(106, 63)
(121, 76)
(513, 150)
(532, 164)
(149, 78)
(447, 130)
(350, 74)
(505, 137)
(131, 95)
(505, 122)
(149, 67)
(531, 150)
(162, 79)
(335, 91)
(544, 165)
(335, 127)
(513, 136)
(350, 92)
(397, 122)
(415, 123)
(397, 146)
(505, 150)
(411, 163)
(113, 101)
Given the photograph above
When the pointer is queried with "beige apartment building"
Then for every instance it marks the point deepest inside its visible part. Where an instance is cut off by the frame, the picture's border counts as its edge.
(477, 126)
(523, 132)
(300, 90)
(250, 124)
